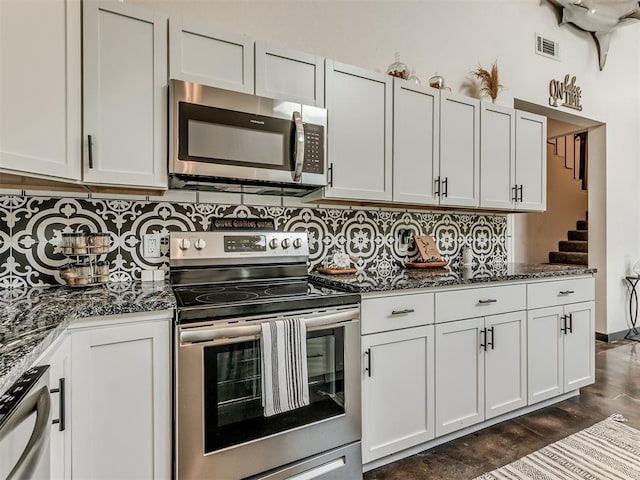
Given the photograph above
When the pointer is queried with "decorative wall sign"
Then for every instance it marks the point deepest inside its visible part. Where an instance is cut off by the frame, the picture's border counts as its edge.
(567, 91)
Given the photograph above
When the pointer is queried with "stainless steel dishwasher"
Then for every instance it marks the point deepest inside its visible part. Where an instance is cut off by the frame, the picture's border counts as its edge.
(25, 416)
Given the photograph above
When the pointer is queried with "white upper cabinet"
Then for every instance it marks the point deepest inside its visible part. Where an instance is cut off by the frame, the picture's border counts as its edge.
(497, 156)
(125, 106)
(40, 91)
(359, 133)
(289, 75)
(459, 181)
(204, 54)
(531, 161)
(416, 143)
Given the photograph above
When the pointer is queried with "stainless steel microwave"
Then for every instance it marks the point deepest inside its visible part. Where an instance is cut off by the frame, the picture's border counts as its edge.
(223, 140)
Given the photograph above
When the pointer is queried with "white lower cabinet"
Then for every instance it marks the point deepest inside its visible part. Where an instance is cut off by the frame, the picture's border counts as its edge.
(397, 390)
(120, 400)
(480, 369)
(560, 341)
(58, 357)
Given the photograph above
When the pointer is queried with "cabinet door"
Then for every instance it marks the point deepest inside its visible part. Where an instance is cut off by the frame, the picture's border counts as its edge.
(544, 354)
(416, 139)
(579, 346)
(40, 102)
(207, 55)
(125, 107)
(459, 375)
(497, 156)
(121, 401)
(505, 363)
(359, 138)
(459, 150)
(531, 161)
(397, 391)
(58, 358)
(289, 75)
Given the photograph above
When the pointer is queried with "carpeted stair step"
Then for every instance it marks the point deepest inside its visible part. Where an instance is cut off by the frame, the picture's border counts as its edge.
(573, 246)
(582, 225)
(582, 235)
(571, 258)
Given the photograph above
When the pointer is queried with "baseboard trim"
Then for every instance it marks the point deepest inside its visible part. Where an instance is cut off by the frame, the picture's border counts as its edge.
(611, 337)
(466, 431)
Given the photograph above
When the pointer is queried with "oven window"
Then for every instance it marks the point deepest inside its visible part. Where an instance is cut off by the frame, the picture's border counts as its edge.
(226, 137)
(233, 412)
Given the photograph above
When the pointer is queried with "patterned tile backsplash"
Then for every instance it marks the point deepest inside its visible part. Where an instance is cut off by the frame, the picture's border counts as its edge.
(31, 229)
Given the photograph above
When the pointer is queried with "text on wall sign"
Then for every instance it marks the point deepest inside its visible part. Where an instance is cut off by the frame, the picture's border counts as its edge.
(567, 91)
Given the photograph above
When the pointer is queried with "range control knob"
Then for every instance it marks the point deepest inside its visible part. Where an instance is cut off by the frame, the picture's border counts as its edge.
(286, 243)
(200, 243)
(297, 243)
(273, 243)
(185, 244)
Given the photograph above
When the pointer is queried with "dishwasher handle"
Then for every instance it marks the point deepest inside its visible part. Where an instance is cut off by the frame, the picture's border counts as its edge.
(39, 402)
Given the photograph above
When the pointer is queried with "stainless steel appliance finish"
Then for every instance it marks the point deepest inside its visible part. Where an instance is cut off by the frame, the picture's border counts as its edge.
(222, 140)
(25, 418)
(225, 290)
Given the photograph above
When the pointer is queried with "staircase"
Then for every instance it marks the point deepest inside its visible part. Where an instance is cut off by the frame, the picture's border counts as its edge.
(574, 250)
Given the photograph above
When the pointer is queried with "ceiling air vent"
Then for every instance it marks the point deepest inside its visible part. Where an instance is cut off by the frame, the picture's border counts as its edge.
(547, 48)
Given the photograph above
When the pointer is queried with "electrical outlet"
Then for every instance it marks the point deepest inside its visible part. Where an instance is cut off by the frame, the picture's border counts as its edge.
(151, 245)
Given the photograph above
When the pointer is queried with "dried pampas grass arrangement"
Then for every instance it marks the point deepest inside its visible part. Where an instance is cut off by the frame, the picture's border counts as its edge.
(490, 85)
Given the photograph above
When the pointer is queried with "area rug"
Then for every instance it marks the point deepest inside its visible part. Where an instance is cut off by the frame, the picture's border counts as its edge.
(608, 450)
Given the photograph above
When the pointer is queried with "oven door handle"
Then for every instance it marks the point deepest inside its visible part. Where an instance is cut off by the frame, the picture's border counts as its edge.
(311, 322)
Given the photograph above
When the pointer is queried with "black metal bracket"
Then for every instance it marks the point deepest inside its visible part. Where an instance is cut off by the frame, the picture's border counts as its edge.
(90, 150)
(60, 421)
(368, 367)
(483, 339)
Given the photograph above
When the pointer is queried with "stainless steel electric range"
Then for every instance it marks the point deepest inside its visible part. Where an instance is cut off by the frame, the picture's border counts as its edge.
(226, 284)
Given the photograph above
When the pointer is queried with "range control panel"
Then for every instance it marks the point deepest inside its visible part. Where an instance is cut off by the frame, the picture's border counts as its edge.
(237, 244)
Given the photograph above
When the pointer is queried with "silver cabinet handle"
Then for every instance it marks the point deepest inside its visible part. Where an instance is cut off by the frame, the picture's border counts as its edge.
(566, 292)
(39, 402)
(297, 172)
(402, 312)
(488, 300)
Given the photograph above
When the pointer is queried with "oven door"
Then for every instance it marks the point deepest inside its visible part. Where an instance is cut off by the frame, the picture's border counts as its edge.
(222, 430)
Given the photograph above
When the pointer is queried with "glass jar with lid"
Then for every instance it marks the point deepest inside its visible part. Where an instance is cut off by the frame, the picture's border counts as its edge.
(398, 68)
(99, 242)
(102, 271)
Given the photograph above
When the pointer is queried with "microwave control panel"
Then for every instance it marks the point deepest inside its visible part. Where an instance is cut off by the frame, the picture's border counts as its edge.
(313, 148)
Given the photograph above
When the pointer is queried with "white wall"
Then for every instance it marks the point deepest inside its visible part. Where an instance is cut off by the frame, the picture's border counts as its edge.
(451, 37)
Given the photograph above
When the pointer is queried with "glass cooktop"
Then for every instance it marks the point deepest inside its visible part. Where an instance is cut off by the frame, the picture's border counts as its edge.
(197, 302)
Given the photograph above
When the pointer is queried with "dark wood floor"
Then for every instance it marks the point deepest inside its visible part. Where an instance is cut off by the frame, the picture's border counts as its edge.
(617, 390)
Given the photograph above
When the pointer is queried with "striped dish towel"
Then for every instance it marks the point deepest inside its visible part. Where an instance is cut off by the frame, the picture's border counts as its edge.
(285, 380)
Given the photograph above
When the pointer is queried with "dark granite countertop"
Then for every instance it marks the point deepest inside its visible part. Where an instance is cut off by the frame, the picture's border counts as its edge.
(32, 319)
(405, 278)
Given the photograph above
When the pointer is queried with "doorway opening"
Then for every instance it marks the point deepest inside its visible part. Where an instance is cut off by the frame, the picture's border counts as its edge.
(573, 228)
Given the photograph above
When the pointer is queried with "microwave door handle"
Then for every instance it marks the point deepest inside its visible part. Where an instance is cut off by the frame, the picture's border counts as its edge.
(299, 160)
